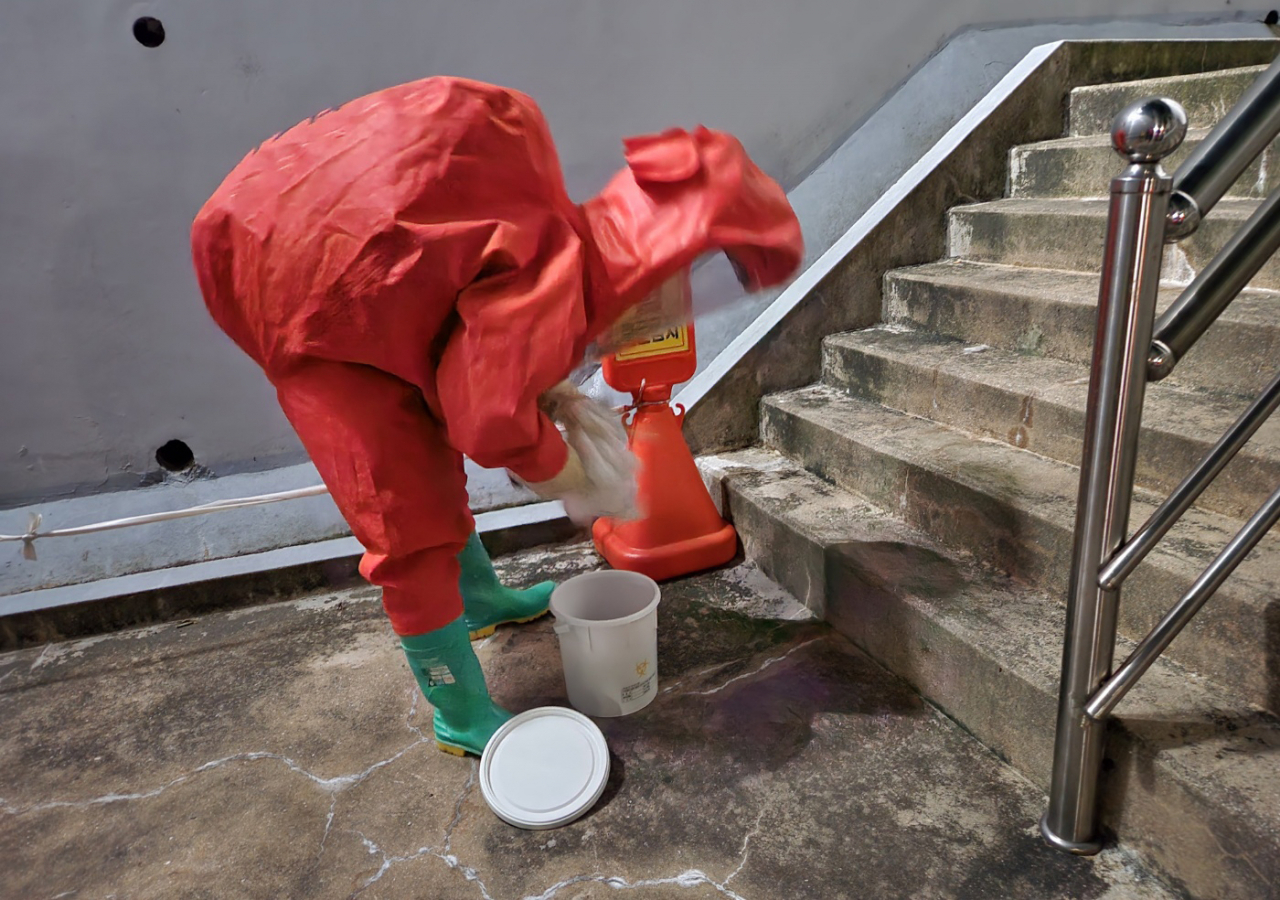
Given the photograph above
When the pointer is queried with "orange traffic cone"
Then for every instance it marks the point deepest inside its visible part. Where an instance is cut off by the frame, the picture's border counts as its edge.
(680, 531)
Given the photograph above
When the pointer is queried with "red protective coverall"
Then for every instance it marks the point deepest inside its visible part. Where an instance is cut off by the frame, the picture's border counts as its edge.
(411, 275)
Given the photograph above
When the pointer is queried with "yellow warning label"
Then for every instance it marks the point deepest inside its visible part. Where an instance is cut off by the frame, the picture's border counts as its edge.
(673, 340)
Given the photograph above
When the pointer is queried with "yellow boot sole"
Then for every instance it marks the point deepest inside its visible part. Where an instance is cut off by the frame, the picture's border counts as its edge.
(480, 633)
(450, 749)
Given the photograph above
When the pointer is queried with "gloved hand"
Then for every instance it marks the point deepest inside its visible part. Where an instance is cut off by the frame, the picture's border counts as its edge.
(572, 479)
(598, 478)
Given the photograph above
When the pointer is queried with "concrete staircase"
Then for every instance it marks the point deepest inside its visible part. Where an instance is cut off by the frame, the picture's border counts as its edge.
(921, 497)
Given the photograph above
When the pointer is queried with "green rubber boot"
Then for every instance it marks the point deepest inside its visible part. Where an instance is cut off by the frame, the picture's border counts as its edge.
(486, 602)
(450, 676)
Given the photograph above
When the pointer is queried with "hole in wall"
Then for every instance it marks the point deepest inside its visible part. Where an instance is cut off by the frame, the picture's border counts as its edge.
(175, 456)
(149, 31)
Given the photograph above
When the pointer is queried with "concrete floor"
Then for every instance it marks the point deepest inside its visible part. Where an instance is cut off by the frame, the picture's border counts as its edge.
(284, 751)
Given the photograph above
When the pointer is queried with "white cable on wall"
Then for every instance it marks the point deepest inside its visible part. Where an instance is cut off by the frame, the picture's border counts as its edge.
(34, 532)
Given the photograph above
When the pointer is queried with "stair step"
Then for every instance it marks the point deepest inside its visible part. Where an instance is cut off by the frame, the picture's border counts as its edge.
(1052, 313)
(1038, 404)
(1069, 234)
(1206, 96)
(1084, 166)
(1015, 510)
(988, 652)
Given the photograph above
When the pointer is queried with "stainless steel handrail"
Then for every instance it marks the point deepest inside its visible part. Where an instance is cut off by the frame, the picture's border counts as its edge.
(1200, 182)
(1213, 289)
(1170, 626)
(1208, 172)
(1130, 348)
(1135, 550)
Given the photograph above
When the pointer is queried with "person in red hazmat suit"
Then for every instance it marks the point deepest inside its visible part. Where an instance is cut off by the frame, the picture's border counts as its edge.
(411, 276)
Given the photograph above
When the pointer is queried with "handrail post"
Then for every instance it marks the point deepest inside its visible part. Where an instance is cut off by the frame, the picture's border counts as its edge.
(1143, 133)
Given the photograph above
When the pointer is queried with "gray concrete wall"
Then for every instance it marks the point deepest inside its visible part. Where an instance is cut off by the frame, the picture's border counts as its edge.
(108, 148)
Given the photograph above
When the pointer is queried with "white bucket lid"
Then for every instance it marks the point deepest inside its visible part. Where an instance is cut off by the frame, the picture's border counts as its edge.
(544, 768)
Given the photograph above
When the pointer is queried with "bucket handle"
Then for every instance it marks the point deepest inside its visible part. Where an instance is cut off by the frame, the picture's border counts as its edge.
(561, 628)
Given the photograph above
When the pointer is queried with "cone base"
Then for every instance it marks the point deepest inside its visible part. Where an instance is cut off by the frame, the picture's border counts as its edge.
(672, 560)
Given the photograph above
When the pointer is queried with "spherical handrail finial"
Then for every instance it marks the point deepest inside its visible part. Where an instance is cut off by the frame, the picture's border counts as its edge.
(1149, 130)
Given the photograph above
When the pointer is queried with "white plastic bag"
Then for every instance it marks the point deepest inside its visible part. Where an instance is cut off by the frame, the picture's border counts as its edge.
(597, 435)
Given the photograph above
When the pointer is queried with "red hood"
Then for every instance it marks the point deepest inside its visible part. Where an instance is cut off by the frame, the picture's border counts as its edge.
(683, 195)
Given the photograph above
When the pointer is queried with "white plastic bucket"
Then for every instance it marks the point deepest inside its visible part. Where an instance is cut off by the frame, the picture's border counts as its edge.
(607, 623)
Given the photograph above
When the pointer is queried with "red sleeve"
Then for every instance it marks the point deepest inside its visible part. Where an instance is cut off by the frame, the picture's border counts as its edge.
(520, 334)
(684, 194)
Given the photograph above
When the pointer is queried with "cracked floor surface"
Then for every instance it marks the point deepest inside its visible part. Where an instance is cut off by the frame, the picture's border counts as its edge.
(283, 751)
